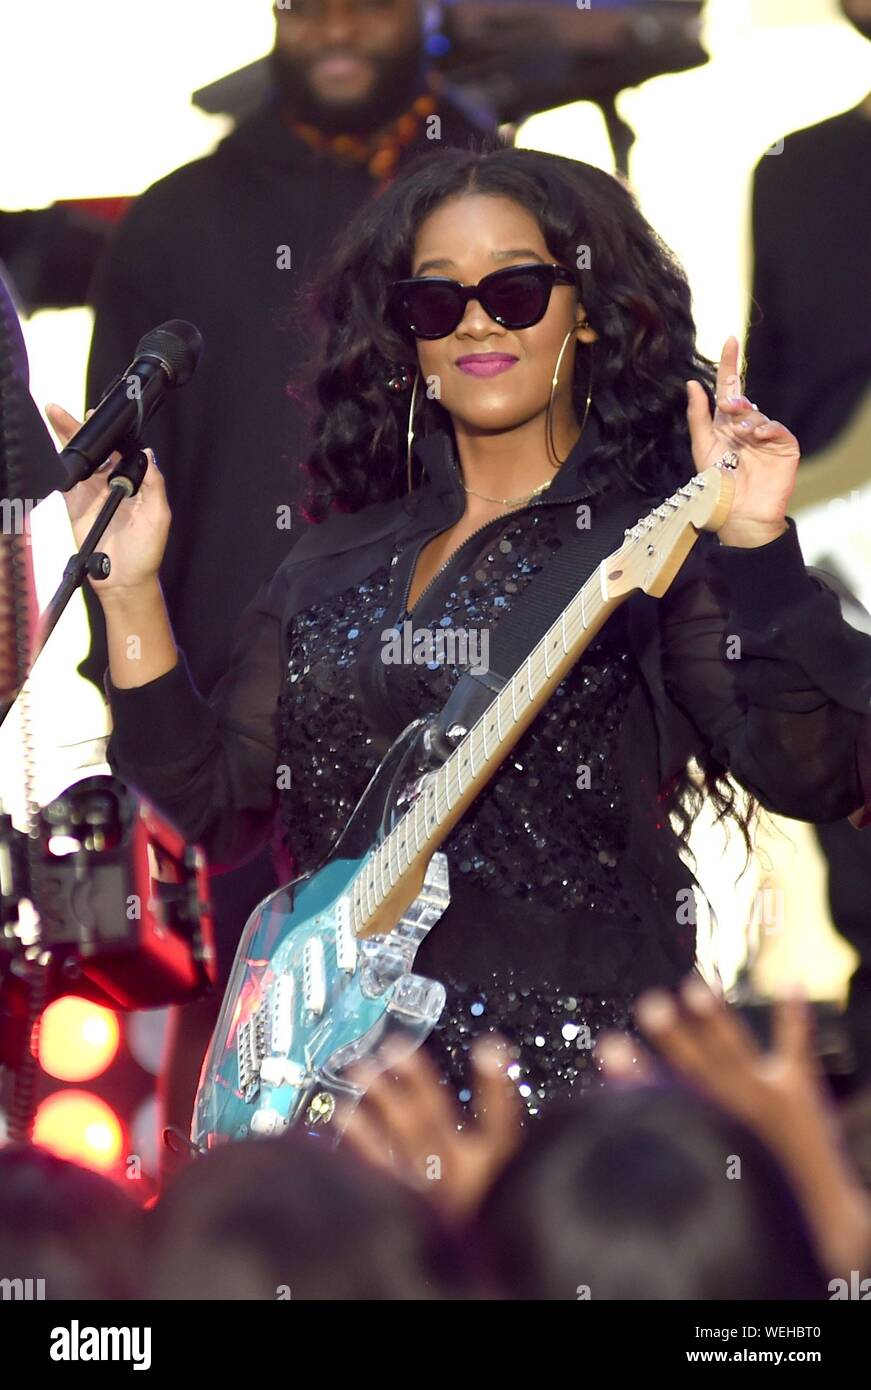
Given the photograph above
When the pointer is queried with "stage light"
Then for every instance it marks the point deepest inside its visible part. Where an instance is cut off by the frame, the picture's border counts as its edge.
(80, 1127)
(77, 1040)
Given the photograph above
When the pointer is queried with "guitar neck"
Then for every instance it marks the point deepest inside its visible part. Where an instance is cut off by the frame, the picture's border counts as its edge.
(449, 791)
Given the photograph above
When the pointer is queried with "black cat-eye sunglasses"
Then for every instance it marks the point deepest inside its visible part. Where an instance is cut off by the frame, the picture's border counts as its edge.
(432, 306)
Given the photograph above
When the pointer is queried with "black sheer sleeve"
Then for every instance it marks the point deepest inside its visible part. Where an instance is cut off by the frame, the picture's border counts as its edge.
(796, 617)
(210, 766)
(762, 713)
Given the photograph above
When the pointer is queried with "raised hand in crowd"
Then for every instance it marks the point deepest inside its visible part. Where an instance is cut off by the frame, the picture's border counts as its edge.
(408, 1125)
(779, 1093)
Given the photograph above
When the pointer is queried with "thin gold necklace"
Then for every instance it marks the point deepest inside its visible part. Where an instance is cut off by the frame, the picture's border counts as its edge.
(506, 501)
(511, 501)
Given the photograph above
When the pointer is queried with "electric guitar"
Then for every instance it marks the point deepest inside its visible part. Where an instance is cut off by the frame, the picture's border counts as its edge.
(323, 974)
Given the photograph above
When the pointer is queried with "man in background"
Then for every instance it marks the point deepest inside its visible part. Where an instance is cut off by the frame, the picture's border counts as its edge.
(808, 344)
(230, 242)
(809, 360)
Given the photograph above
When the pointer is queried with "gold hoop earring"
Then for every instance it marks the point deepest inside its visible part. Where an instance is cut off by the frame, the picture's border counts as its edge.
(410, 432)
(549, 418)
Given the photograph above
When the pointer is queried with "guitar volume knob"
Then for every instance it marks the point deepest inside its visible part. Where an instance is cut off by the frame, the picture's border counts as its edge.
(267, 1122)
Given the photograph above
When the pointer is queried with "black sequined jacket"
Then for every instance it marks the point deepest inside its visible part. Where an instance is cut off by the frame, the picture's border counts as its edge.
(565, 870)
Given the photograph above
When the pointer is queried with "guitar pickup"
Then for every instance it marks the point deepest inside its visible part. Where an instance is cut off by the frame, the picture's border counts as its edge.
(346, 945)
(314, 976)
(282, 997)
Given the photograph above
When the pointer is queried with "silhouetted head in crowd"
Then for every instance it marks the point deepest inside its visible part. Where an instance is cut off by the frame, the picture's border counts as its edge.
(348, 66)
(64, 1224)
(646, 1194)
(859, 14)
(289, 1218)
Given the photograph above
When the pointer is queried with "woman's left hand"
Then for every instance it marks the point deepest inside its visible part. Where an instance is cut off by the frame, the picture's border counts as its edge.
(768, 454)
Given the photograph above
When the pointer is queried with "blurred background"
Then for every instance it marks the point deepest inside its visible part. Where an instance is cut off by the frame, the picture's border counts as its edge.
(689, 101)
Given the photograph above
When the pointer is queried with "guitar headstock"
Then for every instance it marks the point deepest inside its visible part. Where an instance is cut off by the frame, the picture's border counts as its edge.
(657, 545)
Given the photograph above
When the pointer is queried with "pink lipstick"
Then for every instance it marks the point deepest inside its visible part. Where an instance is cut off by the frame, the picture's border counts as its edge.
(485, 363)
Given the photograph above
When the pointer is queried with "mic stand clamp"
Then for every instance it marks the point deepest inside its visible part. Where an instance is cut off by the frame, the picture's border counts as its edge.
(125, 481)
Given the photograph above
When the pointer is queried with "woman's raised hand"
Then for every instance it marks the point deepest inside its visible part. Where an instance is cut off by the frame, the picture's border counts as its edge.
(767, 453)
(135, 538)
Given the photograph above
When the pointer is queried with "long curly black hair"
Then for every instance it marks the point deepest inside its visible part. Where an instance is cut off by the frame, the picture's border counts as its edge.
(635, 294)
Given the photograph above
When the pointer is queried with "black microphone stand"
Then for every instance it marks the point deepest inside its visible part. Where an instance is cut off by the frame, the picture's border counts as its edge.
(125, 481)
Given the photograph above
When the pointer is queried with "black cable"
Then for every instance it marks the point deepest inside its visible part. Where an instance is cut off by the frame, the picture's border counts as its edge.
(14, 663)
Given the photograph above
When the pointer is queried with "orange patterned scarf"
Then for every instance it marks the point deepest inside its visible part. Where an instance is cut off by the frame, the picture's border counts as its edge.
(379, 152)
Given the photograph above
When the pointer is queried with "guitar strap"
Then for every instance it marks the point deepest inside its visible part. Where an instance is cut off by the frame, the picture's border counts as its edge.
(538, 608)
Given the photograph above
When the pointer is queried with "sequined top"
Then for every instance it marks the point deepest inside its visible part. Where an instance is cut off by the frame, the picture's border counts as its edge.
(552, 824)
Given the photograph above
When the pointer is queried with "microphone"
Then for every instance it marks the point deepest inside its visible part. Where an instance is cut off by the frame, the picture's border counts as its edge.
(165, 358)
